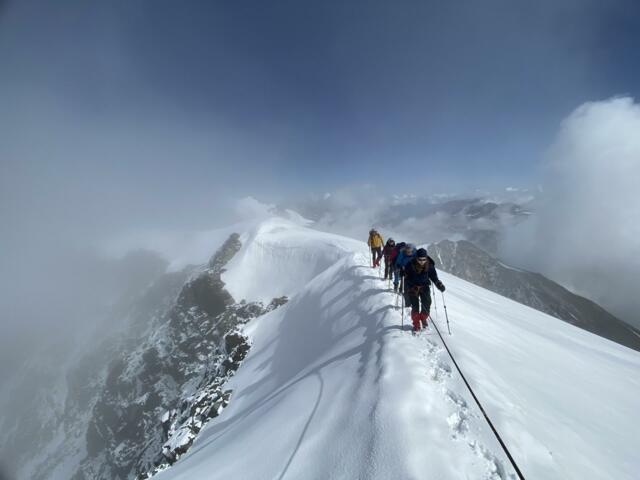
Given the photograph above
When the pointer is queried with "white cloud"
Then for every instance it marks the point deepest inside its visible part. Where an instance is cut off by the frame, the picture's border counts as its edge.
(193, 247)
(353, 210)
(587, 231)
(249, 208)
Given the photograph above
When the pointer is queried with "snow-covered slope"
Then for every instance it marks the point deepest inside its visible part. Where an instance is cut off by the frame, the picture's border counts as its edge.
(467, 261)
(280, 257)
(334, 388)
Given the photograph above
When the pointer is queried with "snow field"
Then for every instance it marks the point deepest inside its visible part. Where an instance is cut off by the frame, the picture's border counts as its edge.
(332, 388)
(565, 396)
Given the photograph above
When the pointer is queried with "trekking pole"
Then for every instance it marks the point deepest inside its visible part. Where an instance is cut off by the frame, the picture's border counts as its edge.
(402, 289)
(435, 300)
(397, 296)
(370, 256)
(445, 312)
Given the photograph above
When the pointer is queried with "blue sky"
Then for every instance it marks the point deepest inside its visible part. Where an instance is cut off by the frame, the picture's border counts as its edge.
(315, 95)
(143, 111)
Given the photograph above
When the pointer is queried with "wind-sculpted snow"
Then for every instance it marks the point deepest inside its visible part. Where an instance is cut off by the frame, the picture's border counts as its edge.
(280, 257)
(334, 388)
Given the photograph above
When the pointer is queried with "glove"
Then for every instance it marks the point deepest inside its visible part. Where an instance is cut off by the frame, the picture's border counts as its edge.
(440, 286)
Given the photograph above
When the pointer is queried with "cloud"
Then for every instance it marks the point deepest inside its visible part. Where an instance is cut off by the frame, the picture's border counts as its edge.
(586, 232)
(195, 246)
(353, 210)
(249, 208)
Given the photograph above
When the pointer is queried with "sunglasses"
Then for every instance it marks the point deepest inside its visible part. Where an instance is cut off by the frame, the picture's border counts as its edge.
(421, 260)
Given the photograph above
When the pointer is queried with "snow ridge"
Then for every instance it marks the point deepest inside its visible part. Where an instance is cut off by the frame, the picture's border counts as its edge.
(334, 388)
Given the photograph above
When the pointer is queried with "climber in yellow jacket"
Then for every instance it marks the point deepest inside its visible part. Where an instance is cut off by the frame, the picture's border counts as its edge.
(375, 242)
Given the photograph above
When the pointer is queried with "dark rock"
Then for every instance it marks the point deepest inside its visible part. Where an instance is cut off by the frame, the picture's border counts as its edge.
(180, 335)
(225, 253)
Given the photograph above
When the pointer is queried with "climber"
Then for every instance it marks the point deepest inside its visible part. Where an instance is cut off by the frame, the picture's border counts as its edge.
(375, 242)
(387, 252)
(418, 273)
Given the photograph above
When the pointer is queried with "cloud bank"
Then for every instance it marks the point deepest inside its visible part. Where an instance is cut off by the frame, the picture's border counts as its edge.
(587, 231)
(420, 219)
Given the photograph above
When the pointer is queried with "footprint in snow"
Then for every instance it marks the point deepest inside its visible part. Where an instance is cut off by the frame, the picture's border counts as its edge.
(458, 423)
(459, 419)
(496, 469)
(439, 371)
(432, 348)
(456, 399)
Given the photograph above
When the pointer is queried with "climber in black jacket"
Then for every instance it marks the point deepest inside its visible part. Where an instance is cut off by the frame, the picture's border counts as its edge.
(418, 275)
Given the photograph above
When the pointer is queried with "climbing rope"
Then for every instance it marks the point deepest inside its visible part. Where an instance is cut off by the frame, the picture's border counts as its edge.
(495, 432)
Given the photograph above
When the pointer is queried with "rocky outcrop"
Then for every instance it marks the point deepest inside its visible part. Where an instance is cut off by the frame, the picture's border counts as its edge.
(134, 403)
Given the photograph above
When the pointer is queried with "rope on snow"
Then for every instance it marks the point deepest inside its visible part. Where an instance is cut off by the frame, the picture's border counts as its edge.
(504, 446)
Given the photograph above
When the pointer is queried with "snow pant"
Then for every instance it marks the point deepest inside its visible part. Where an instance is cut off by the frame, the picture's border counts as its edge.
(388, 268)
(415, 299)
(376, 253)
(423, 296)
(396, 276)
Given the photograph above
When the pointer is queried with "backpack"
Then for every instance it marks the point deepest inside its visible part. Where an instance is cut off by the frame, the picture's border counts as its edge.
(396, 250)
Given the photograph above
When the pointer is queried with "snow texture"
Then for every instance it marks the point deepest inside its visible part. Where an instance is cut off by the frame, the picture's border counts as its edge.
(333, 386)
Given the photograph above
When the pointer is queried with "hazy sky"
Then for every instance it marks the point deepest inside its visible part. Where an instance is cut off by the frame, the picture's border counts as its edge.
(155, 114)
(131, 99)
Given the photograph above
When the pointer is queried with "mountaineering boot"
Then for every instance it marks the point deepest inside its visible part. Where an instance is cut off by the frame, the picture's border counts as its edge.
(395, 287)
(423, 319)
(415, 319)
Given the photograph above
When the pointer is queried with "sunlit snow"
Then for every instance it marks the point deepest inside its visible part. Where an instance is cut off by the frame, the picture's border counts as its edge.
(333, 387)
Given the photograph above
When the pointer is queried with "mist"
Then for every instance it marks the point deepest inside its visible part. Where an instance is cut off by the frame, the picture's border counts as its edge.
(416, 217)
(136, 125)
(89, 153)
(134, 135)
(586, 231)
